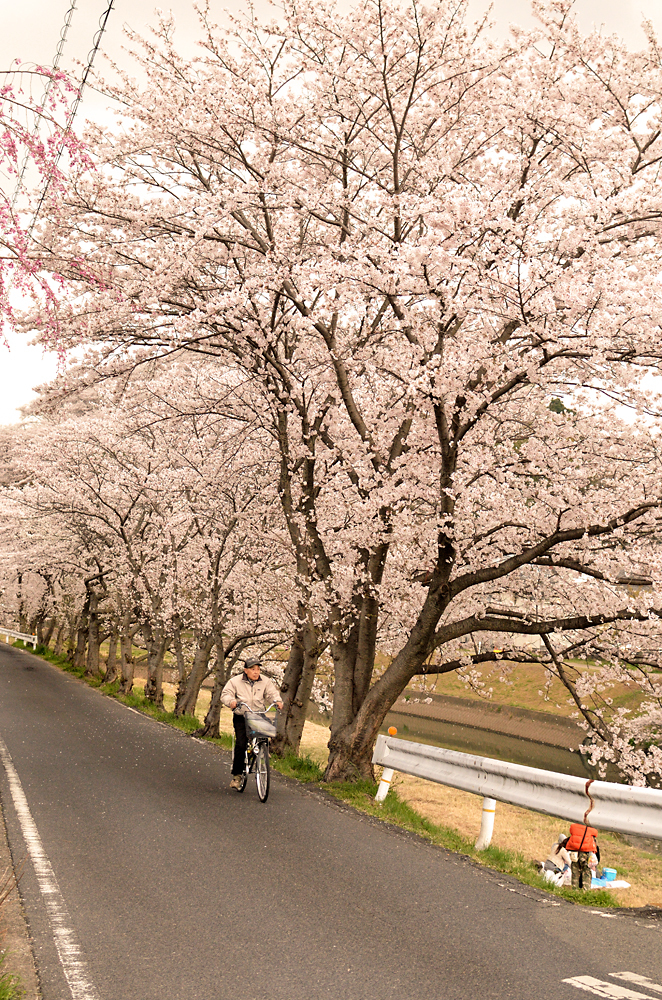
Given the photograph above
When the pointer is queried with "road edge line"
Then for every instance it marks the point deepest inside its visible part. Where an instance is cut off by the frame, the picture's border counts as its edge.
(68, 949)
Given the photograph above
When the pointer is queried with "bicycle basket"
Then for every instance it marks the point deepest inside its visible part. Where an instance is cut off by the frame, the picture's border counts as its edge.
(260, 722)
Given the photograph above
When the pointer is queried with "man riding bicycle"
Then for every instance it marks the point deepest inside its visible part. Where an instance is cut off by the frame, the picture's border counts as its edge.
(247, 690)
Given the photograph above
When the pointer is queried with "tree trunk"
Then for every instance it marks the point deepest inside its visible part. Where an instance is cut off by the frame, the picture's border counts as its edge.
(157, 643)
(296, 689)
(48, 632)
(299, 709)
(59, 641)
(80, 648)
(186, 704)
(350, 749)
(38, 629)
(22, 617)
(111, 664)
(351, 744)
(288, 688)
(71, 643)
(126, 655)
(182, 673)
(92, 668)
(353, 659)
(221, 677)
(81, 637)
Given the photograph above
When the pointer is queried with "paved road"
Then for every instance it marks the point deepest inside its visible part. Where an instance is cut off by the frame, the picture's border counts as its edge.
(177, 888)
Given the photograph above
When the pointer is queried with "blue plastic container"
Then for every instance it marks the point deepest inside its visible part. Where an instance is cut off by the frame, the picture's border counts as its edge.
(609, 874)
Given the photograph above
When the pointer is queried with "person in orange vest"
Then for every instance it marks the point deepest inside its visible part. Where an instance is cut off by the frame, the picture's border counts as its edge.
(581, 845)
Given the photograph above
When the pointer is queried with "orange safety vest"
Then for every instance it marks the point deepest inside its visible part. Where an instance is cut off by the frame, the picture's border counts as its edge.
(582, 838)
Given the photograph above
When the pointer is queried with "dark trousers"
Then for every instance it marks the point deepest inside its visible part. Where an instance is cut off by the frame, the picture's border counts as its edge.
(240, 744)
(581, 873)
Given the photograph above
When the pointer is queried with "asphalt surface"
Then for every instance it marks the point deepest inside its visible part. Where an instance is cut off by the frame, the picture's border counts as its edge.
(180, 889)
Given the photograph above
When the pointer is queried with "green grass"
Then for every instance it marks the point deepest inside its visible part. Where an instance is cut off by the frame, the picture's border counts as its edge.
(47, 654)
(10, 985)
(302, 768)
(224, 740)
(187, 723)
(360, 795)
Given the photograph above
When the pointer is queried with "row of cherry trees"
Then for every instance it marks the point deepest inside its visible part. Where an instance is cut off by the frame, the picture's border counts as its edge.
(380, 246)
(132, 518)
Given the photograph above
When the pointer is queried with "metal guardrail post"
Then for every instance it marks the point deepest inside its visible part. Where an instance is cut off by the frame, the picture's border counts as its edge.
(486, 824)
(387, 774)
(384, 784)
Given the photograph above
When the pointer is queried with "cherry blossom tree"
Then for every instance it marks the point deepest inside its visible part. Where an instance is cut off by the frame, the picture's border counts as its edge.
(411, 242)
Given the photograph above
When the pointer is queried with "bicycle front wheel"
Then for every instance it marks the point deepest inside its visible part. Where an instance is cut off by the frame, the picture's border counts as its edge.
(262, 772)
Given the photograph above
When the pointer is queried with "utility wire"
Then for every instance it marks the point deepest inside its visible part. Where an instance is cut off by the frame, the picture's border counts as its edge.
(103, 21)
(64, 31)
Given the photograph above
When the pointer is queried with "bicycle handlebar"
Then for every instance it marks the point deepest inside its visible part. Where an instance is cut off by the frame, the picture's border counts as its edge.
(274, 704)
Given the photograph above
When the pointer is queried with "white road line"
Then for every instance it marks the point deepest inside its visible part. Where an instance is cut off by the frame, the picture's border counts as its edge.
(68, 949)
(634, 977)
(602, 989)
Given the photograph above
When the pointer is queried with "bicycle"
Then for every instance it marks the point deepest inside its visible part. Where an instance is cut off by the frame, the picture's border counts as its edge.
(259, 729)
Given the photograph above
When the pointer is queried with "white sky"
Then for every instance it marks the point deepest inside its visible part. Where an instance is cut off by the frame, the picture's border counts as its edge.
(30, 30)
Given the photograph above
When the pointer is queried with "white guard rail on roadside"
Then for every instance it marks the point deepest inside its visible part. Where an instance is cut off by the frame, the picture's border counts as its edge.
(602, 804)
(11, 634)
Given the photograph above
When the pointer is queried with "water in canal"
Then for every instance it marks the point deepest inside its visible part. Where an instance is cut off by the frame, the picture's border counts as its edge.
(468, 739)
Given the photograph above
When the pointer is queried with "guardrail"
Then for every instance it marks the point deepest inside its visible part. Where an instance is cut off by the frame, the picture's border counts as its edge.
(10, 633)
(604, 804)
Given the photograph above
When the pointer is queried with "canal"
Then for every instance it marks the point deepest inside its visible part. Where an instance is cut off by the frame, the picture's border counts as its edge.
(470, 739)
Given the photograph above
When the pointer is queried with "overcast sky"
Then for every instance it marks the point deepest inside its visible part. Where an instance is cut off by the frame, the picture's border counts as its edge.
(30, 31)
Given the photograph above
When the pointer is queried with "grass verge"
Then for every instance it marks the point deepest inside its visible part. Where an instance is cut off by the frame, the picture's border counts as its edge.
(303, 768)
(10, 985)
(359, 795)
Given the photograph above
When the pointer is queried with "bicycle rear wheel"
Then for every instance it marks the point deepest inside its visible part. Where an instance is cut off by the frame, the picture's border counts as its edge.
(262, 772)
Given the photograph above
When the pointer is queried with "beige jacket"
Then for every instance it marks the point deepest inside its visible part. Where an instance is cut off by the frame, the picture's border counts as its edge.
(560, 859)
(256, 694)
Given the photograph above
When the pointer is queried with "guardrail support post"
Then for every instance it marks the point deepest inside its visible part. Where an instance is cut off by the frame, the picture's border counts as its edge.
(384, 784)
(387, 774)
(486, 824)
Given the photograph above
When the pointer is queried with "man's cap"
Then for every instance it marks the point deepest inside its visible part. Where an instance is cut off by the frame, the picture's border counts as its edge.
(252, 661)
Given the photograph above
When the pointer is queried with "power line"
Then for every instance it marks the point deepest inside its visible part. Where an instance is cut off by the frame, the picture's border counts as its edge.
(64, 31)
(96, 43)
